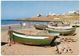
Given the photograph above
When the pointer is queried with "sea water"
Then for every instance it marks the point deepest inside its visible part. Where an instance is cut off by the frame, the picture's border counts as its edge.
(6, 22)
(9, 23)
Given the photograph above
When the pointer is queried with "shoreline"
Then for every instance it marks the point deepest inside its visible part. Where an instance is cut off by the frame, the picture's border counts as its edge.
(16, 26)
(42, 20)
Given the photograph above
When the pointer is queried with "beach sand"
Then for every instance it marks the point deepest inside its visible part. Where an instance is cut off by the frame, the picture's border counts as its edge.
(21, 49)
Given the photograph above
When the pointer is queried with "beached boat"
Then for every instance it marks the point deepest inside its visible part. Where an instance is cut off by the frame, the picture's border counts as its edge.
(68, 31)
(76, 24)
(59, 23)
(31, 39)
(60, 27)
(40, 26)
(52, 25)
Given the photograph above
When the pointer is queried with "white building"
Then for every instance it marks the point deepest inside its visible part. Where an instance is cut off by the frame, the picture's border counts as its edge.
(74, 12)
(71, 12)
(52, 14)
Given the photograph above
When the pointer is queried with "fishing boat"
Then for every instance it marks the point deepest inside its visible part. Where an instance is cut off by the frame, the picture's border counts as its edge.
(59, 22)
(40, 26)
(76, 24)
(62, 31)
(31, 39)
(60, 27)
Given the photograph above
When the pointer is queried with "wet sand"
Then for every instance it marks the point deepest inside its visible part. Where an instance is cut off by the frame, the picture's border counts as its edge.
(21, 49)
(13, 26)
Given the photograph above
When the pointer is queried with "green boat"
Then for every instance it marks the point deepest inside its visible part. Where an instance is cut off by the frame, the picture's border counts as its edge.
(40, 26)
(67, 31)
(31, 39)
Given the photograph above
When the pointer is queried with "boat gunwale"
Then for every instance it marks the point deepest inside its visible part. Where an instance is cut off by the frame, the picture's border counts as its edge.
(33, 35)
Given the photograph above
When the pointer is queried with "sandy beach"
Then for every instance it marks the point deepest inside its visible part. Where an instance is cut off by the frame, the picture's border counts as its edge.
(21, 49)
(48, 28)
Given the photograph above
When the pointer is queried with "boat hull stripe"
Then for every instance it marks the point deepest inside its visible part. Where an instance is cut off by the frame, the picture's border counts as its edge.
(31, 37)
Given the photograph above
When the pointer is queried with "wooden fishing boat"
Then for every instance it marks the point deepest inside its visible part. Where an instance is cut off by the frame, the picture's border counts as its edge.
(68, 31)
(59, 23)
(31, 39)
(60, 27)
(40, 26)
(76, 24)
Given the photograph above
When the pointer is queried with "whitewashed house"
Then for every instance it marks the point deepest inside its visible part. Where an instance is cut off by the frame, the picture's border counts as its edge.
(52, 14)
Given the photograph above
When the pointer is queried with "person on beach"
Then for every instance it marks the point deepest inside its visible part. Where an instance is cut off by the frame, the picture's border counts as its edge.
(10, 29)
(21, 25)
(24, 24)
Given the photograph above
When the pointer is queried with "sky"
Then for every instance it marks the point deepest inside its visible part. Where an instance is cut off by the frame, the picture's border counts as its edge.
(27, 9)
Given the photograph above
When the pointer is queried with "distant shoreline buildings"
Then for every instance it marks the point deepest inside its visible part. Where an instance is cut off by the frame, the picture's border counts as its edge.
(73, 13)
(70, 13)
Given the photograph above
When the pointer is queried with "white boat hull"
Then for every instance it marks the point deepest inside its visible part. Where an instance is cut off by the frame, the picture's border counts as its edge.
(60, 27)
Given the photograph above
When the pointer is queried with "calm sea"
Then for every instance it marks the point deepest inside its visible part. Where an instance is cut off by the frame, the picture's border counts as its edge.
(6, 22)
